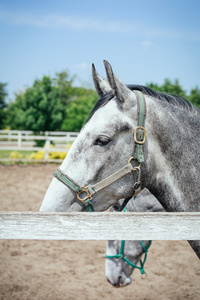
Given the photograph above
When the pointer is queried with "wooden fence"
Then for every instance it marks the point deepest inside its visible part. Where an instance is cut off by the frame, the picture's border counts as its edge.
(88, 226)
(24, 140)
(100, 226)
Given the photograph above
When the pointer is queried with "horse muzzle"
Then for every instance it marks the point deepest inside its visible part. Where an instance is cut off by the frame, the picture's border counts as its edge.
(120, 281)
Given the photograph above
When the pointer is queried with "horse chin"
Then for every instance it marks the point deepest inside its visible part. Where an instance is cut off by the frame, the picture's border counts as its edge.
(102, 205)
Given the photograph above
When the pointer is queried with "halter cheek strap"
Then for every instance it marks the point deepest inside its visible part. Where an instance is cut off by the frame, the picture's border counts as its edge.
(140, 132)
(84, 194)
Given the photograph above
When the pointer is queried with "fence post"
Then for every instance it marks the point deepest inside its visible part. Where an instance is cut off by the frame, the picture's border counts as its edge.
(9, 135)
(47, 146)
(19, 139)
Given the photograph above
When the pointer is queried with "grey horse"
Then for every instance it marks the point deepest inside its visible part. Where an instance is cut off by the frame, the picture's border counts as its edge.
(134, 138)
(118, 269)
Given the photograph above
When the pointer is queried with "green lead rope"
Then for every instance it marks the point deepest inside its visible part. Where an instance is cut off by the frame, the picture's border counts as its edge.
(88, 205)
(121, 255)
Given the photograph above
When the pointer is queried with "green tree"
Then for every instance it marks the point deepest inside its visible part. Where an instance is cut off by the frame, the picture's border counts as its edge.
(3, 105)
(51, 104)
(64, 82)
(168, 87)
(194, 96)
(56, 104)
(78, 110)
(175, 88)
(39, 108)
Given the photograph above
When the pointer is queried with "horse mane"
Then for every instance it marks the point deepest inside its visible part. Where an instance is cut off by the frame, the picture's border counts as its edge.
(172, 99)
(175, 100)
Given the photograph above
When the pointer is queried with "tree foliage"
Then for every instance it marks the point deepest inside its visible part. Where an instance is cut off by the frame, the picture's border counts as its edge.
(64, 82)
(194, 96)
(78, 110)
(51, 104)
(56, 104)
(170, 87)
(39, 108)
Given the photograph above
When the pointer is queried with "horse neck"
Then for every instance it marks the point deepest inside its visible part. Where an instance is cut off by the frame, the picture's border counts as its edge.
(172, 151)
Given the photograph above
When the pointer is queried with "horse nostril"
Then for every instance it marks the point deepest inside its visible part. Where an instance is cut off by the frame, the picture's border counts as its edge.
(118, 283)
(119, 280)
(116, 207)
(113, 284)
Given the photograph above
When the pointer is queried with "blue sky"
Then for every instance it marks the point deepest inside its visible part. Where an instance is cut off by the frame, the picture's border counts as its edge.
(145, 41)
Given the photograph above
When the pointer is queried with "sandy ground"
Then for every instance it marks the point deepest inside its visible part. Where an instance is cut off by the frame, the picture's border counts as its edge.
(58, 270)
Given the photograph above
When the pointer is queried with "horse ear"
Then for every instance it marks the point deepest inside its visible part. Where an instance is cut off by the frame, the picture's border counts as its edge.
(119, 88)
(101, 85)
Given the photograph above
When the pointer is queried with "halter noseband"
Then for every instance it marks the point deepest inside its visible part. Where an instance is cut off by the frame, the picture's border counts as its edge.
(121, 256)
(139, 138)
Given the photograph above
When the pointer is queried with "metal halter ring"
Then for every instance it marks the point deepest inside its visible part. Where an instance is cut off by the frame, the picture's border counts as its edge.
(144, 275)
(130, 159)
(84, 190)
(135, 135)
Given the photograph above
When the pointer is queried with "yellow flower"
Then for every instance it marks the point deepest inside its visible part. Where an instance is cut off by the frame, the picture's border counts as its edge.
(15, 155)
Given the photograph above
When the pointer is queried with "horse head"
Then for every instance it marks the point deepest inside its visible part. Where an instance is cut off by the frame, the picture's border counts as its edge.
(110, 159)
(123, 257)
(105, 146)
(118, 269)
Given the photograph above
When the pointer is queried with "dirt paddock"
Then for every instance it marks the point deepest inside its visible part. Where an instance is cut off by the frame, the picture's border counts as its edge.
(59, 270)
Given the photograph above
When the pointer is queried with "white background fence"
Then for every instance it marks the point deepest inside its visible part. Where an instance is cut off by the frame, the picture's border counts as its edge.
(24, 140)
(100, 226)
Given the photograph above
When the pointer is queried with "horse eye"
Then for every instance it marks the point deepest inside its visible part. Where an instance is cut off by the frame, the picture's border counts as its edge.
(102, 141)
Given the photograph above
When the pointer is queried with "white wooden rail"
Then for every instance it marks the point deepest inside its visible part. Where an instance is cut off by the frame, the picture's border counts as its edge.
(14, 133)
(24, 140)
(100, 226)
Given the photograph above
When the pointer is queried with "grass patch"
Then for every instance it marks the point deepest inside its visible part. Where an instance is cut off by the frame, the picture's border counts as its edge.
(7, 153)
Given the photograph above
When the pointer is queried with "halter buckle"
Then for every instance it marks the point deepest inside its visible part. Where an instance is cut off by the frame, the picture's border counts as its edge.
(84, 190)
(142, 135)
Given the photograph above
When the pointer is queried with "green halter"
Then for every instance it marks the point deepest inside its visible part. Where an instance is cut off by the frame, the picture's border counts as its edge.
(121, 255)
(84, 194)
